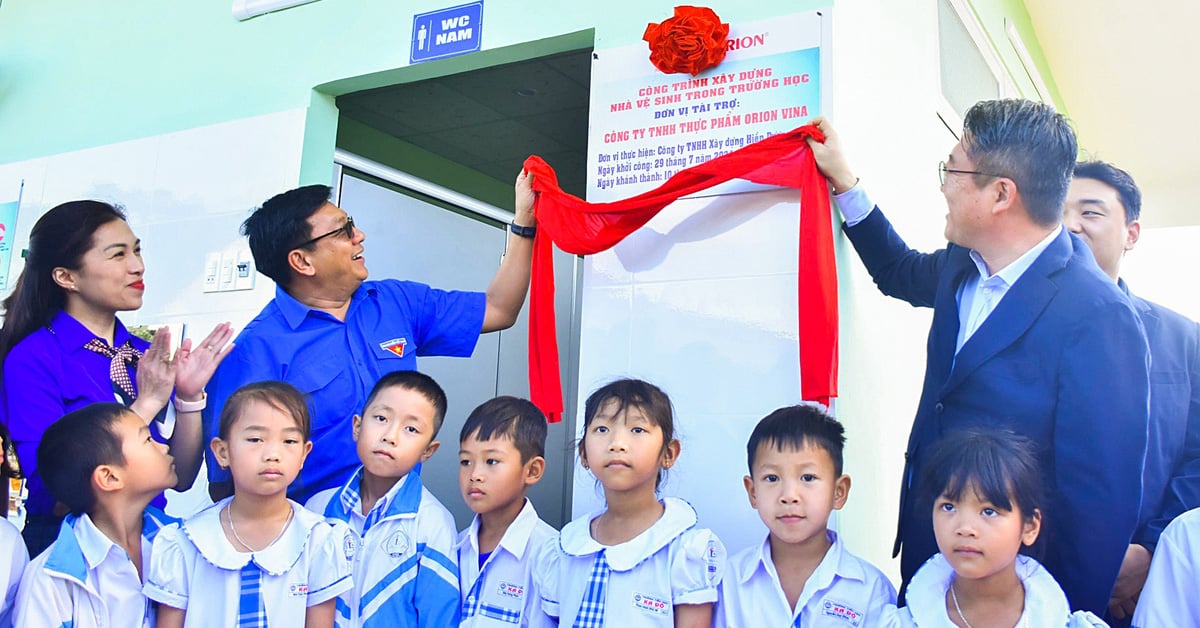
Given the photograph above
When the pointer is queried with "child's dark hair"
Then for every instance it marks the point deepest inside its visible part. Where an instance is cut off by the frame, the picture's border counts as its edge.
(71, 449)
(646, 397)
(794, 427)
(279, 395)
(419, 383)
(999, 465)
(512, 417)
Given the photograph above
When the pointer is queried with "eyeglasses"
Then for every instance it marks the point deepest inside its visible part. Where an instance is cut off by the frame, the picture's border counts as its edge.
(943, 170)
(347, 229)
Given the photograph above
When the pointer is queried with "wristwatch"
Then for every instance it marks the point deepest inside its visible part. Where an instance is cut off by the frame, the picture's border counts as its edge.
(524, 232)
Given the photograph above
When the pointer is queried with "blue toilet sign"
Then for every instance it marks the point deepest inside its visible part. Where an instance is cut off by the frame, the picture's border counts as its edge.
(447, 32)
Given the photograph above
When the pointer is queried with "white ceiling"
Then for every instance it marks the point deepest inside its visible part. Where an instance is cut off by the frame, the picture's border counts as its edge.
(1127, 72)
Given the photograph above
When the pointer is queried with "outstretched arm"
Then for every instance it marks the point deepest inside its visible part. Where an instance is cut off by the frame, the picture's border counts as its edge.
(506, 293)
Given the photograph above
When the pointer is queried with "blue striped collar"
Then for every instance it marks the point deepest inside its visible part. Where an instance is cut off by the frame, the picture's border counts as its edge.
(67, 556)
(403, 499)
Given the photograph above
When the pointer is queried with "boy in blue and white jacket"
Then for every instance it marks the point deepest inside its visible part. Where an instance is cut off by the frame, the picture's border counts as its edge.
(405, 572)
(101, 462)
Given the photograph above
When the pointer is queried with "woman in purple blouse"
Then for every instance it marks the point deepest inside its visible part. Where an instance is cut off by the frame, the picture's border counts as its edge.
(63, 348)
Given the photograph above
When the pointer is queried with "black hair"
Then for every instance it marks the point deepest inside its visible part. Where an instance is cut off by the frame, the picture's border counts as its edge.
(1028, 142)
(999, 465)
(512, 417)
(653, 403)
(73, 446)
(417, 382)
(279, 226)
(279, 395)
(794, 427)
(60, 238)
(1117, 179)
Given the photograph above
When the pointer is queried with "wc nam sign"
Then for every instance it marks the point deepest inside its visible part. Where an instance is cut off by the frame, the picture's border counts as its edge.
(447, 32)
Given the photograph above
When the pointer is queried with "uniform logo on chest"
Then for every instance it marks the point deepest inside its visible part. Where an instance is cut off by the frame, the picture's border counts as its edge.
(833, 608)
(651, 604)
(396, 545)
(395, 345)
(509, 589)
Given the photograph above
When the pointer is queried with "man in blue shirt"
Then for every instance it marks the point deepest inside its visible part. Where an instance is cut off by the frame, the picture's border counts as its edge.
(1102, 208)
(332, 333)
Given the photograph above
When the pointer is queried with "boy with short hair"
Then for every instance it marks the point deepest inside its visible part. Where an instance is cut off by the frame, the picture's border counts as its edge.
(501, 454)
(404, 569)
(801, 573)
(102, 463)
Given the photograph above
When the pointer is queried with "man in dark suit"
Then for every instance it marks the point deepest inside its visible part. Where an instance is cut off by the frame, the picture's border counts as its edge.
(1027, 334)
(1103, 207)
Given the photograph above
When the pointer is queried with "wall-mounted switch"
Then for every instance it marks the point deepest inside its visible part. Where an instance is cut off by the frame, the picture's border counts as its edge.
(212, 267)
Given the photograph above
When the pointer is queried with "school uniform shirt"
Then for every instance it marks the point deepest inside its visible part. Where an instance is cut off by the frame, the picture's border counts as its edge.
(404, 566)
(195, 568)
(843, 591)
(86, 580)
(1169, 597)
(502, 591)
(1045, 603)
(635, 583)
(12, 548)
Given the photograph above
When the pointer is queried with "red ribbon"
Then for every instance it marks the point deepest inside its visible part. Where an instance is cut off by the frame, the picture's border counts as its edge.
(583, 228)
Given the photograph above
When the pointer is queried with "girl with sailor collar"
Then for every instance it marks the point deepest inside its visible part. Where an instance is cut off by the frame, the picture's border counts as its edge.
(257, 558)
(642, 561)
(985, 490)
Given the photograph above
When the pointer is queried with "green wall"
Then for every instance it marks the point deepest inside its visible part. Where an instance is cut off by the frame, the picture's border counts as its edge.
(76, 74)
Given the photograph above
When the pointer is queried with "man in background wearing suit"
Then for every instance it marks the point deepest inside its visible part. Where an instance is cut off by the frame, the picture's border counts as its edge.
(1103, 208)
(1028, 334)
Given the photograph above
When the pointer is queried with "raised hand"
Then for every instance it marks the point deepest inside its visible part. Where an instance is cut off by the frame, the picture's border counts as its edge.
(194, 365)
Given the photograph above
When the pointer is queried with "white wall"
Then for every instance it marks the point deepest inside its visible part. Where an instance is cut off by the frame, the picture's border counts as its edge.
(1160, 268)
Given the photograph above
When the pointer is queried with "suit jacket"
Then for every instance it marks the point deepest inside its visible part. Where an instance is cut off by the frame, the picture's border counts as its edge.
(1062, 360)
(1171, 482)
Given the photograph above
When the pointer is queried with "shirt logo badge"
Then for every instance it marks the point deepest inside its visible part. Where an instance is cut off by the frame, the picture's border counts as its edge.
(509, 589)
(298, 590)
(395, 345)
(650, 604)
(350, 545)
(397, 545)
(834, 608)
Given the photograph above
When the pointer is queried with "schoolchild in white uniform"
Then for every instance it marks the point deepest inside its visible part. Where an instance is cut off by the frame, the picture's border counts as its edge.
(102, 463)
(801, 575)
(642, 561)
(1169, 597)
(983, 487)
(12, 549)
(404, 569)
(501, 454)
(257, 558)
